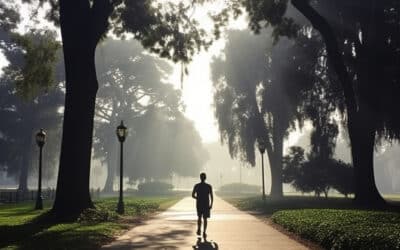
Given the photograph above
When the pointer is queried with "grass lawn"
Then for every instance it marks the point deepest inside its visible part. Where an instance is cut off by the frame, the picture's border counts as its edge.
(21, 226)
(333, 223)
(270, 206)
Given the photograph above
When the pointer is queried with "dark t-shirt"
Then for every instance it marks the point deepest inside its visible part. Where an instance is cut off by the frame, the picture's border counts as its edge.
(203, 191)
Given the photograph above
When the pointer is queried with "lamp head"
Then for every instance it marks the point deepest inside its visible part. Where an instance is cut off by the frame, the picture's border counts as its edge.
(41, 138)
(121, 132)
(261, 146)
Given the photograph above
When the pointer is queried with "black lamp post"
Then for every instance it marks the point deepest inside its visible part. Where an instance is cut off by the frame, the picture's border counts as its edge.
(261, 147)
(121, 134)
(40, 140)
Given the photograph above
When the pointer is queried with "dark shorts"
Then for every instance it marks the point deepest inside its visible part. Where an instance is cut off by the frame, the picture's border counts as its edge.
(203, 212)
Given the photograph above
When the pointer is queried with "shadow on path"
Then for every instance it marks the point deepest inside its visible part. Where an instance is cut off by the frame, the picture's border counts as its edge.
(205, 245)
(165, 240)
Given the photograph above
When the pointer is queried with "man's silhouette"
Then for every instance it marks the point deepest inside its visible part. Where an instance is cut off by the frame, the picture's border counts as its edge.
(202, 192)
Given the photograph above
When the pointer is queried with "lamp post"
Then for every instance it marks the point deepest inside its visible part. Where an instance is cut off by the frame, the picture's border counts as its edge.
(261, 147)
(121, 134)
(40, 140)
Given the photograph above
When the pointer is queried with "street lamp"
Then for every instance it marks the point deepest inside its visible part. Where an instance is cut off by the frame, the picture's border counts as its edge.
(261, 147)
(121, 134)
(40, 140)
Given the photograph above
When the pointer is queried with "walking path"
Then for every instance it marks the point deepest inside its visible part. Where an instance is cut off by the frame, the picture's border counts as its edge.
(228, 229)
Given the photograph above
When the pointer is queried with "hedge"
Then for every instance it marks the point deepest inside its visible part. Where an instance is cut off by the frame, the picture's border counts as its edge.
(343, 229)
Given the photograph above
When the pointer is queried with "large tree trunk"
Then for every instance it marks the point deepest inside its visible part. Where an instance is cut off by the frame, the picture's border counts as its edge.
(23, 174)
(111, 169)
(72, 194)
(362, 151)
(360, 132)
(25, 163)
(79, 44)
(365, 123)
(276, 166)
(111, 153)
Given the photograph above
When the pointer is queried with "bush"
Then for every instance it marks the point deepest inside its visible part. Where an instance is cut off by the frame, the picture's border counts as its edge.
(239, 188)
(343, 229)
(155, 187)
(316, 174)
(91, 216)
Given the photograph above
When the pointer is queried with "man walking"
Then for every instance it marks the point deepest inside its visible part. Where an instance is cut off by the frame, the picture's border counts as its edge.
(202, 192)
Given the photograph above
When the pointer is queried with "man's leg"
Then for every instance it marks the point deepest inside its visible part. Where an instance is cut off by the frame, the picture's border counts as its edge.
(205, 225)
(198, 224)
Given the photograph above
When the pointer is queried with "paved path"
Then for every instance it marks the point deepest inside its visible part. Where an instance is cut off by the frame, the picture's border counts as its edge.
(228, 229)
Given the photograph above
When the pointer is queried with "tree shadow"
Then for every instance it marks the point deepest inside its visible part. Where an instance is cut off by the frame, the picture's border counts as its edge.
(11, 234)
(205, 245)
(165, 240)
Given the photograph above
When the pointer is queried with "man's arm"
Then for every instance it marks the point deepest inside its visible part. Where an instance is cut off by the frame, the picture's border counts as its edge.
(194, 192)
(211, 196)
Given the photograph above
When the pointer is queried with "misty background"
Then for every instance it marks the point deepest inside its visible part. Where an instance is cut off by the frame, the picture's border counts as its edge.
(173, 130)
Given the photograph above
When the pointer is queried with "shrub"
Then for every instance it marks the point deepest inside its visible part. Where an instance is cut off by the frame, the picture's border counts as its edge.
(91, 215)
(155, 187)
(239, 188)
(344, 229)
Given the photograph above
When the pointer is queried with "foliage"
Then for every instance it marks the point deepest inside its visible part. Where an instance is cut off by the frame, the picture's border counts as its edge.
(342, 178)
(166, 28)
(134, 89)
(316, 174)
(264, 90)
(261, 100)
(92, 215)
(344, 229)
(239, 188)
(155, 187)
(24, 108)
(23, 227)
(9, 16)
(235, 81)
(163, 147)
(292, 162)
(36, 75)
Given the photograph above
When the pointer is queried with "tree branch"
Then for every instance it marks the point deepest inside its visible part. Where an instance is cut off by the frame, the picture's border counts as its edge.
(101, 11)
(334, 56)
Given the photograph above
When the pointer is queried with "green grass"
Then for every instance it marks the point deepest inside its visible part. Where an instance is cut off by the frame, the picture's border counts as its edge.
(343, 229)
(22, 227)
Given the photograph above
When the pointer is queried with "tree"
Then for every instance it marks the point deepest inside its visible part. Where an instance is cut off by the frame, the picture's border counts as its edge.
(342, 178)
(24, 107)
(310, 175)
(163, 146)
(292, 163)
(263, 99)
(369, 107)
(165, 29)
(161, 141)
(131, 83)
(316, 174)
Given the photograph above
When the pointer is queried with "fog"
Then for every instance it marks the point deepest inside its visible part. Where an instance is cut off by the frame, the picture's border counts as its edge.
(162, 143)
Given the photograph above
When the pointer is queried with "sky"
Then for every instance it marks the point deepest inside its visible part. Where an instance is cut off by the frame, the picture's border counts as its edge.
(197, 91)
(197, 94)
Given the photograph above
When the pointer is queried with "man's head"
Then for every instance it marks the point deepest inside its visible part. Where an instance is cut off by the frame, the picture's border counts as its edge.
(203, 177)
